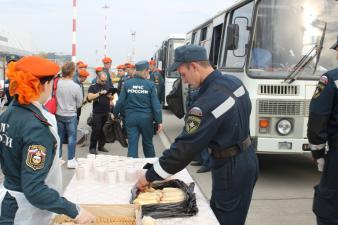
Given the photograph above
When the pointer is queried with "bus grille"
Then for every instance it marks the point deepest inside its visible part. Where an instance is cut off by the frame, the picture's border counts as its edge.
(283, 107)
(264, 89)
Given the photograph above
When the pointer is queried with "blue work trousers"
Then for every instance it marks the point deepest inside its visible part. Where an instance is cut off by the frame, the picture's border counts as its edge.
(204, 158)
(67, 124)
(325, 201)
(232, 187)
(136, 124)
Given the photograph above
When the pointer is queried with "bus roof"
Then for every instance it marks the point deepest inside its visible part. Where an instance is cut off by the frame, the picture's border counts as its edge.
(208, 21)
(176, 36)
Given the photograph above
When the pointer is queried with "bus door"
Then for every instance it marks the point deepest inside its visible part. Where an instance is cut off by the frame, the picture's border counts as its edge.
(171, 77)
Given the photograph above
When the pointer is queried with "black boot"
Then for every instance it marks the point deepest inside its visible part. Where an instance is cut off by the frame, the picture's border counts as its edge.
(103, 149)
(92, 151)
(197, 163)
(203, 169)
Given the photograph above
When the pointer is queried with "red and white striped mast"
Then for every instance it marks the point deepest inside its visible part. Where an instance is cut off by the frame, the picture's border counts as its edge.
(74, 33)
(105, 30)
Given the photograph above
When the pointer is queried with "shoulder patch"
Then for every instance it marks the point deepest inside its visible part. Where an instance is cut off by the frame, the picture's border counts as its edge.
(192, 123)
(195, 111)
(36, 157)
(323, 81)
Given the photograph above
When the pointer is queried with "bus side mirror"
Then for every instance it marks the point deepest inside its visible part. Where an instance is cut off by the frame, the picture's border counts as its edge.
(232, 37)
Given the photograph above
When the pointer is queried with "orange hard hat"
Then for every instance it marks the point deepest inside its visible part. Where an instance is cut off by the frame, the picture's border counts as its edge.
(79, 62)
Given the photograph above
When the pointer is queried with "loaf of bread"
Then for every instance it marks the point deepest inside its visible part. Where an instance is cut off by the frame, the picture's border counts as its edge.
(147, 220)
(166, 195)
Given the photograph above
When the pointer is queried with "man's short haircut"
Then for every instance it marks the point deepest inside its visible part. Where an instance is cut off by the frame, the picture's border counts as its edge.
(68, 69)
(204, 64)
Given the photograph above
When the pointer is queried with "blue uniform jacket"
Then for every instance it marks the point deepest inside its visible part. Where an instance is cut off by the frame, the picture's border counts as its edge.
(157, 78)
(23, 131)
(139, 95)
(109, 81)
(218, 119)
(76, 80)
(323, 115)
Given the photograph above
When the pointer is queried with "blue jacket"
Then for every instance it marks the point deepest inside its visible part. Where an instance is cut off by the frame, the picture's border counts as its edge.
(218, 119)
(139, 96)
(109, 81)
(323, 115)
(157, 78)
(23, 130)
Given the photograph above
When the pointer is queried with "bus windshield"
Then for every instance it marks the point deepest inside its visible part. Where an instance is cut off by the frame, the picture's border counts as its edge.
(173, 44)
(286, 31)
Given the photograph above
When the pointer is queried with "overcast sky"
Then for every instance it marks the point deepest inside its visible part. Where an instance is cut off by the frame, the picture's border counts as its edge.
(49, 23)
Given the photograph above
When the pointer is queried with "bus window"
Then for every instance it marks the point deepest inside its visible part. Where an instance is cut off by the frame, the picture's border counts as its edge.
(173, 44)
(215, 44)
(2, 68)
(241, 18)
(285, 32)
(203, 34)
(193, 37)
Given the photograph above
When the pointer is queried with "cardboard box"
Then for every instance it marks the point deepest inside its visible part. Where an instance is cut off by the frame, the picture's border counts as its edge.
(110, 211)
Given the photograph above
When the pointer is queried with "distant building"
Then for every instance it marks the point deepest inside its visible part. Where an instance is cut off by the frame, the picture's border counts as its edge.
(13, 45)
(58, 58)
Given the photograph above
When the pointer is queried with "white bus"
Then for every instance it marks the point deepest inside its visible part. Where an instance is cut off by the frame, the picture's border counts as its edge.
(165, 57)
(274, 47)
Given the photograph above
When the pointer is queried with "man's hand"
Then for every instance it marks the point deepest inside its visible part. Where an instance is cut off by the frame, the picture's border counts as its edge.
(319, 163)
(142, 183)
(84, 217)
(112, 116)
(103, 92)
(159, 127)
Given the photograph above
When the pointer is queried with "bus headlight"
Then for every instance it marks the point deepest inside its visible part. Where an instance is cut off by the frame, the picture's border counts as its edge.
(284, 127)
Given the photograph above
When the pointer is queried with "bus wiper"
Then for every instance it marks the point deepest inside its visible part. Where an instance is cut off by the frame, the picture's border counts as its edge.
(320, 48)
(307, 59)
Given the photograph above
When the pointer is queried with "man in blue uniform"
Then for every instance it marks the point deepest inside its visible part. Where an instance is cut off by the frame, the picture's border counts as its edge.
(203, 159)
(157, 78)
(218, 120)
(106, 69)
(123, 77)
(130, 70)
(139, 100)
(79, 79)
(322, 129)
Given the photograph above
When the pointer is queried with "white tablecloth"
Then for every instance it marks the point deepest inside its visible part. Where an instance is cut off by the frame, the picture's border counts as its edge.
(91, 191)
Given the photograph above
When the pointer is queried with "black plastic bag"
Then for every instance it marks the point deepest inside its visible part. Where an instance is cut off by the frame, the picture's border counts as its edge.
(90, 120)
(188, 207)
(175, 99)
(113, 132)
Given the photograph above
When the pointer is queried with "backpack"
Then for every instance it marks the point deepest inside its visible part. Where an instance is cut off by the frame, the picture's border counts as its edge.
(175, 99)
(51, 104)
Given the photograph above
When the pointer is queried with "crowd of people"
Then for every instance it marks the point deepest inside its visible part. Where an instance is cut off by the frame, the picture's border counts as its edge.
(217, 121)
